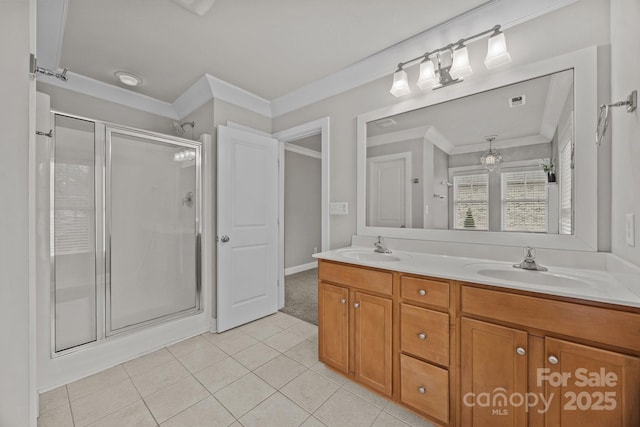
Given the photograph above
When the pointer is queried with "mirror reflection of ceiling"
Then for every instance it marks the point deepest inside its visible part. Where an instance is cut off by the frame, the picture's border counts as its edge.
(461, 125)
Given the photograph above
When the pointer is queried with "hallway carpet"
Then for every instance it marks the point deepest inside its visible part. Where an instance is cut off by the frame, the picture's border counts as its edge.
(301, 296)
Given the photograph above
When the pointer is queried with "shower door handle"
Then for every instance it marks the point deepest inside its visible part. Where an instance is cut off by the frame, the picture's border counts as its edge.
(224, 239)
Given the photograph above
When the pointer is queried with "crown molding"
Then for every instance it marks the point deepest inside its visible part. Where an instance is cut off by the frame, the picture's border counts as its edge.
(52, 17)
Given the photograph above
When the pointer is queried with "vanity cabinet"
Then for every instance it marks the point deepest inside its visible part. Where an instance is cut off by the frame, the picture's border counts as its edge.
(531, 351)
(355, 323)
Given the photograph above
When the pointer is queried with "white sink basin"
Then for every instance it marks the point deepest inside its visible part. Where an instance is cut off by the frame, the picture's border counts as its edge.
(372, 256)
(538, 278)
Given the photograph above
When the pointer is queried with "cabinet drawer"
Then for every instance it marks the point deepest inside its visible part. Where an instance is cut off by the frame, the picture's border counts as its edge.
(606, 326)
(425, 291)
(424, 333)
(362, 278)
(424, 387)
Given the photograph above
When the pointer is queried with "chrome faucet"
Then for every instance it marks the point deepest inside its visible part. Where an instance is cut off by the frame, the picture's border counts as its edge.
(529, 262)
(380, 247)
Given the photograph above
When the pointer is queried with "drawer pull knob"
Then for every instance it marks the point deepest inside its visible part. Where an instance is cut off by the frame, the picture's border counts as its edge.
(421, 389)
(521, 351)
(422, 292)
(553, 360)
(343, 301)
(356, 304)
(422, 335)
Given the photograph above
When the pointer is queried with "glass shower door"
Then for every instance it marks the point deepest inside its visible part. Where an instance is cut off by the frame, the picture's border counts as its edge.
(152, 228)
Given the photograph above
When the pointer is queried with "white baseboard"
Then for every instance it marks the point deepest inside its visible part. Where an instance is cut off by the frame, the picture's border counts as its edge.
(300, 268)
(213, 326)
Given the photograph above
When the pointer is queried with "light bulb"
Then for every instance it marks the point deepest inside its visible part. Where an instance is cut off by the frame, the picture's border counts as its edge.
(460, 66)
(427, 77)
(497, 53)
(400, 85)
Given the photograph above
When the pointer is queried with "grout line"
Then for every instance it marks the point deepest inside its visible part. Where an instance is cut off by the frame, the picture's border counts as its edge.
(144, 402)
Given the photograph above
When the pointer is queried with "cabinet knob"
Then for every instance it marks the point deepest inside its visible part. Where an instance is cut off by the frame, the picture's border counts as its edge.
(553, 360)
(422, 292)
(422, 335)
(356, 304)
(343, 301)
(521, 351)
(421, 389)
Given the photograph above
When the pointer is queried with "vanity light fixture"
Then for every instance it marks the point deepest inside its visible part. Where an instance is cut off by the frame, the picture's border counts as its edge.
(435, 74)
(127, 78)
(491, 159)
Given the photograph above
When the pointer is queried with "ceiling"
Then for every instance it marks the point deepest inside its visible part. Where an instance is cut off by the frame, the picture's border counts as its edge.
(462, 124)
(268, 48)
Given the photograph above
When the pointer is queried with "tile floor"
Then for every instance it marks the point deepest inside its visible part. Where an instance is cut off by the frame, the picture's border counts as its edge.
(265, 373)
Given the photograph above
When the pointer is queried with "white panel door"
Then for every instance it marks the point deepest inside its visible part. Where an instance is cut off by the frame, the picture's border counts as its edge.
(390, 190)
(247, 227)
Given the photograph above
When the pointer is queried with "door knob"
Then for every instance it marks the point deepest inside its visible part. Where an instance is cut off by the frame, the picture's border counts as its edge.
(422, 292)
(553, 360)
(356, 304)
(421, 389)
(224, 239)
(521, 351)
(422, 335)
(343, 301)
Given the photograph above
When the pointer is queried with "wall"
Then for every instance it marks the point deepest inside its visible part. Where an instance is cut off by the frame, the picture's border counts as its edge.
(625, 127)
(70, 102)
(534, 40)
(302, 208)
(16, 90)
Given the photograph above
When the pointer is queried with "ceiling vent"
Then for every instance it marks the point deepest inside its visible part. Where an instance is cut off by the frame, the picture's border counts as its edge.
(199, 7)
(517, 101)
(385, 123)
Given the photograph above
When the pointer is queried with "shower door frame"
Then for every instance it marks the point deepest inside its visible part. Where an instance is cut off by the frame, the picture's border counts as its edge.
(102, 193)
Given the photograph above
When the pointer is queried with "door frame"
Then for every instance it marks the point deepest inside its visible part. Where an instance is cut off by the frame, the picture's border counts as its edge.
(320, 127)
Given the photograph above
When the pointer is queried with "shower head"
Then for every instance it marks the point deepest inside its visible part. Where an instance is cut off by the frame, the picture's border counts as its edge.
(179, 128)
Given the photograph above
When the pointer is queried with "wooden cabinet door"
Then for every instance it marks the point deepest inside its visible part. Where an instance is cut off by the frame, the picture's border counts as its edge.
(372, 329)
(333, 326)
(601, 388)
(493, 368)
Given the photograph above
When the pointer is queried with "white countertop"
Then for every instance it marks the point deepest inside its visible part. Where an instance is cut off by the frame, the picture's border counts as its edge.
(591, 285)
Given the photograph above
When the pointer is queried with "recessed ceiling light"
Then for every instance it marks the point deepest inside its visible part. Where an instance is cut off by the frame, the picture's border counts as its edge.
(128, 78)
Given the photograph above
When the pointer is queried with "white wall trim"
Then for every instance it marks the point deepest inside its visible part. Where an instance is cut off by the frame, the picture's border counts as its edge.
(303, 151)
(508, 13)
(300, 268)
(118, 95)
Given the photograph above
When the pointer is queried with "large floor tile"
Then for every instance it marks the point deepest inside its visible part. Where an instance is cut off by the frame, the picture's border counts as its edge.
(243, 395)
(304, 329)
(174, 399)
(346, 409)
(53, 399)
(147, 362)
(159, 377)
(306, 353)
(309, 390)
(189, 345)
(95, 382)
(103, 402)
(275, 411)
(261, 329)
(329, 373)
(134, 415)
(366, 394)
(283, 341)
(407, 416)
(201, 358)
(284, 321)
(206, 413)
(221, 374)
(312, 422)
(57, 417)
(236, 342)
(255, 356)
(386, 420)
(279, 371)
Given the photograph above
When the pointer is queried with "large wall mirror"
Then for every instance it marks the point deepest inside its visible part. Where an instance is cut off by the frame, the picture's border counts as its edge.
(422, 174)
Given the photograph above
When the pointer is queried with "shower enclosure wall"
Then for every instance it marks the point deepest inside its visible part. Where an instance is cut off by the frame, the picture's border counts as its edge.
(124, 230)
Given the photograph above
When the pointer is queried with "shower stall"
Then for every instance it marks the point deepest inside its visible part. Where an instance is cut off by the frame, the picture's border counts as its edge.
(124, 230)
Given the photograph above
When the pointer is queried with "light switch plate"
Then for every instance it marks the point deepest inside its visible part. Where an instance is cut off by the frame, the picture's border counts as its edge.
(631, 229)
(339, 208)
